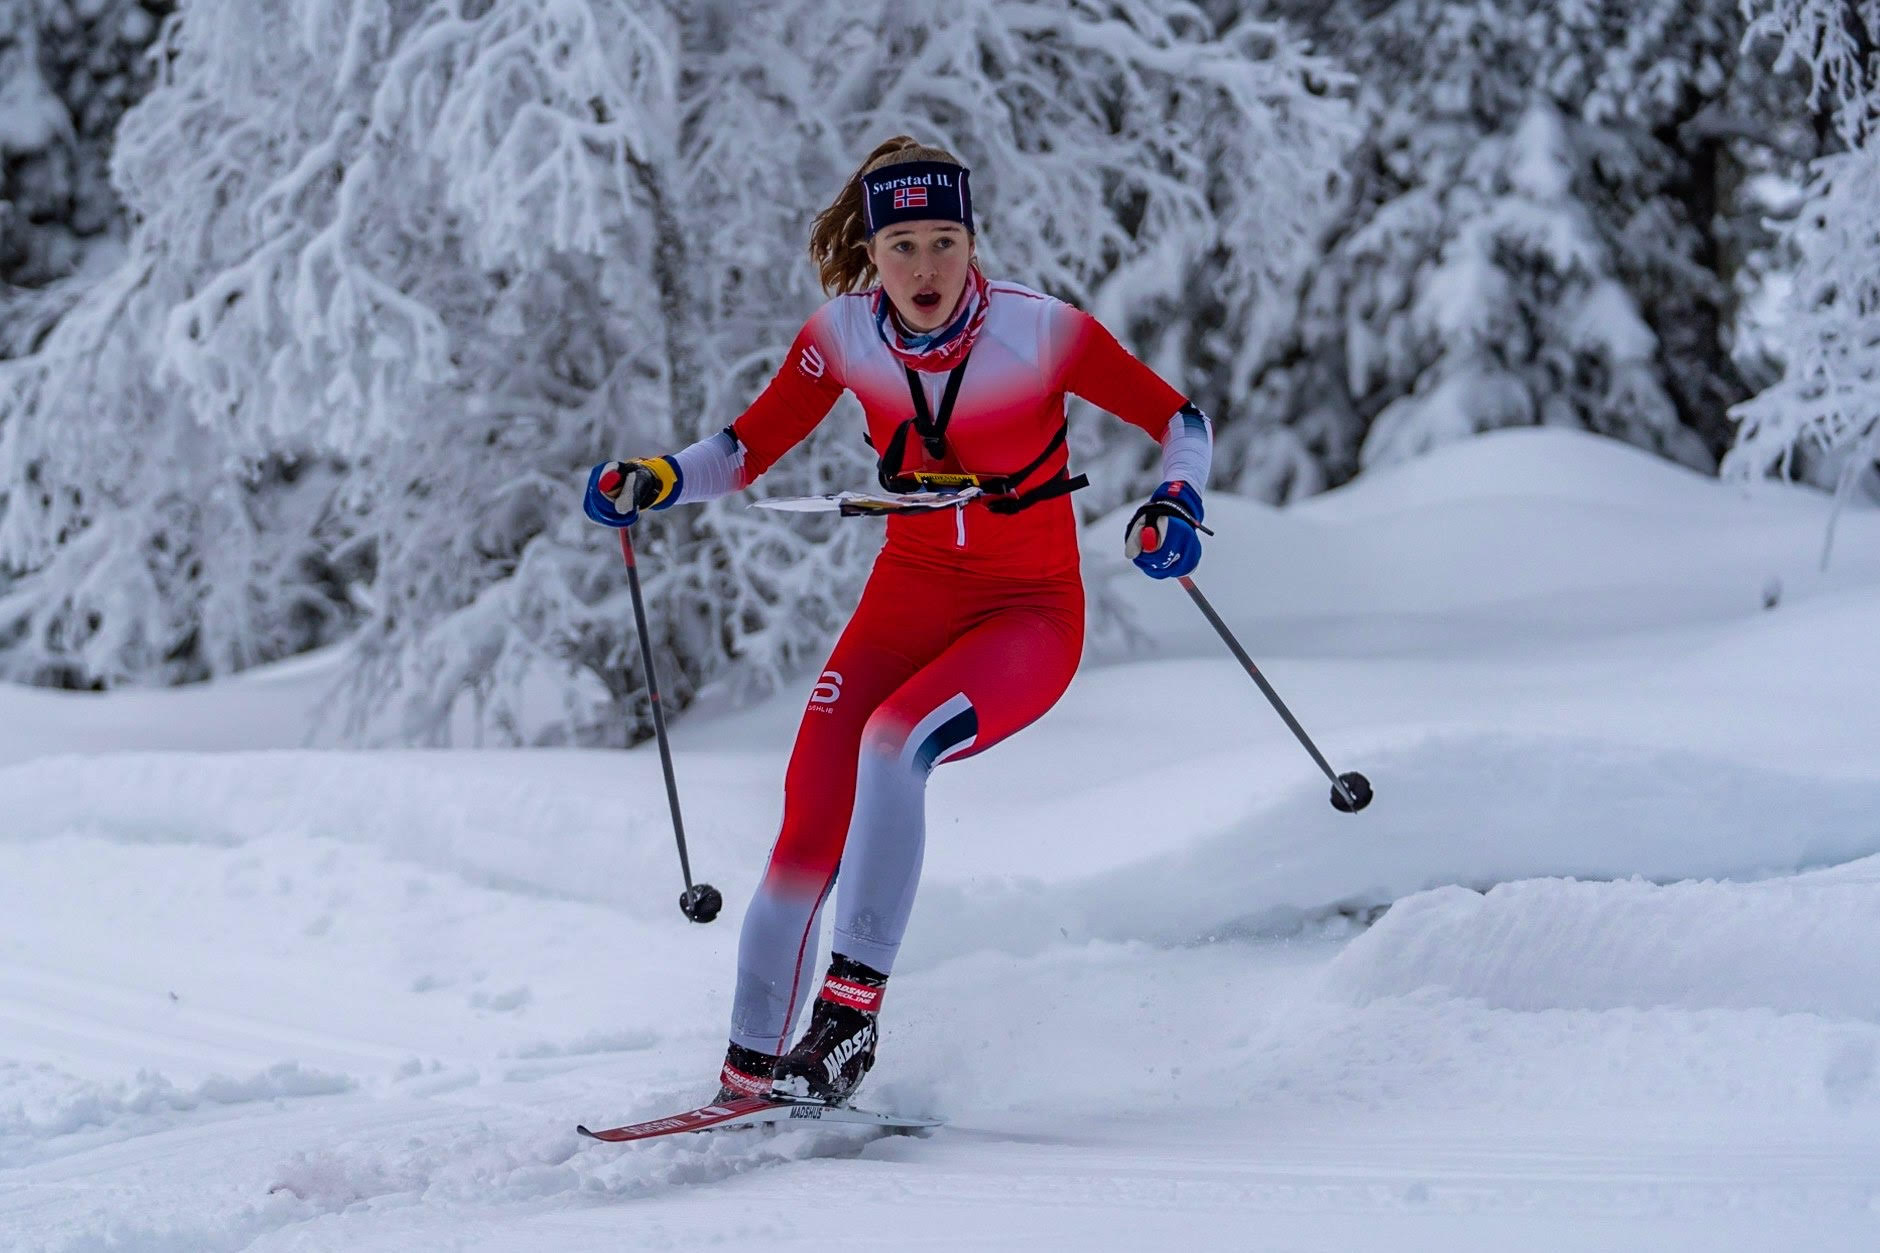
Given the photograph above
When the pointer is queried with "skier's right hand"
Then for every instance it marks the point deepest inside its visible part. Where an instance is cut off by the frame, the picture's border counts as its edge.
(618, 490)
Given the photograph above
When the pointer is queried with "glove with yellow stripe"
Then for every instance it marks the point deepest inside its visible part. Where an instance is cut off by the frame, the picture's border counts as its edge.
(618, 490)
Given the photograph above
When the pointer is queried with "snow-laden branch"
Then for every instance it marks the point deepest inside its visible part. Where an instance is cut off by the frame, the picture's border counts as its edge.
(1821, 420)
(1834, 43)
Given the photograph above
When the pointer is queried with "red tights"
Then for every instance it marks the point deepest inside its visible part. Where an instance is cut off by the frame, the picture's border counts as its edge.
(935, 665)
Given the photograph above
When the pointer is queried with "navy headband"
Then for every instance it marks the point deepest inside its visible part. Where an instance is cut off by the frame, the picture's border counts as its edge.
(915, 191)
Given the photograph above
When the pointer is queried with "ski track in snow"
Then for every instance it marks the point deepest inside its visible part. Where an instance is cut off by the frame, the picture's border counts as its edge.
(1623, 997)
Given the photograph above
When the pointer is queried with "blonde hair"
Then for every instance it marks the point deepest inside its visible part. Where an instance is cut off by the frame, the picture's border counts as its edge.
(838, 243)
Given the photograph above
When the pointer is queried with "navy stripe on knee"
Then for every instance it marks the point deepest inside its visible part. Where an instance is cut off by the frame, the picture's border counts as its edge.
(950, 734)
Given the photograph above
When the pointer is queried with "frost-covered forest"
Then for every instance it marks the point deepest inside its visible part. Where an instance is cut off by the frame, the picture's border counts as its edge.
(314, 312)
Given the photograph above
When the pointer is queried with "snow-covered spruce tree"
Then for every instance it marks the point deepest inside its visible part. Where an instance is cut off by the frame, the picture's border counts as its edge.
(1544, 225)
(403, 270)
(1820, 422)
(68, 70)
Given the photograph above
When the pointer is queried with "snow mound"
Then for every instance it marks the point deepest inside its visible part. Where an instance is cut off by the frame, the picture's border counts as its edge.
(1502, 542)
(146, 1101)
(533, 823)
(1468, 809)
(1473, 808)
(1792, 945)
(1541, 463)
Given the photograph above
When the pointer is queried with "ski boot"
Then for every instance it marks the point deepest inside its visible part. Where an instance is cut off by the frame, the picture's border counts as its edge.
(828, 1063)
(746, 1073)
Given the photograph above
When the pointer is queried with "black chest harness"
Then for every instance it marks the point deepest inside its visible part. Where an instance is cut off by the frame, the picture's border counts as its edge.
(1003, 492)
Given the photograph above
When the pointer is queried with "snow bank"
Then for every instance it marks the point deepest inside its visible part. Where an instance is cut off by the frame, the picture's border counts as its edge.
(1504, 541)
(143, 1100)
(270, 707)
(585, 826)
(1790, 945)
(1454, 808)
(1475, 810)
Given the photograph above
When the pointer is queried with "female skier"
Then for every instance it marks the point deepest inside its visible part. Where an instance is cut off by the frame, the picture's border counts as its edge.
(971, 623)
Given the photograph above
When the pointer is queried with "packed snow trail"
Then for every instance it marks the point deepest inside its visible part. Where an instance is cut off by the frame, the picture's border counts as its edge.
(281, 998)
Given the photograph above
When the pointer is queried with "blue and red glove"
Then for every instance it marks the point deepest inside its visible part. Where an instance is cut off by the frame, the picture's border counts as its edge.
(618, 490)
(1164, 536)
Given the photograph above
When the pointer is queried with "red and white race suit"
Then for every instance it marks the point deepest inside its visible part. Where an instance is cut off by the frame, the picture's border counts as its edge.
(970, 626)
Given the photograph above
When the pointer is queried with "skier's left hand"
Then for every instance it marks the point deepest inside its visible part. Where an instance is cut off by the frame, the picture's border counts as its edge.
(1164, 536)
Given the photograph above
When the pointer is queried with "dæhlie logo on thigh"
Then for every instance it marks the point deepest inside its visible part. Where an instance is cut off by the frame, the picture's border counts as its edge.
(828, 688)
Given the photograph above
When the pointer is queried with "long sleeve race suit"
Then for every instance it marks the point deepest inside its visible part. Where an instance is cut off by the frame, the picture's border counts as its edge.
(971, 624)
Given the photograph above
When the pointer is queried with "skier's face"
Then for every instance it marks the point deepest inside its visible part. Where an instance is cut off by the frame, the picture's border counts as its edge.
(923, 269)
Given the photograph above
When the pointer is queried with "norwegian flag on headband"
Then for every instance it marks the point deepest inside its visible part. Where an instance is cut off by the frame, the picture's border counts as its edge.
(927, 191)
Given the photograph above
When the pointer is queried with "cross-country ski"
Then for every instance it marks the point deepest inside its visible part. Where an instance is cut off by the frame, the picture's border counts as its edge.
(756, 1112)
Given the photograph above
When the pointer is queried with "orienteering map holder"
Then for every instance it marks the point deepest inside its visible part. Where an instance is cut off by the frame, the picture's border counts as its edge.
(878, 504)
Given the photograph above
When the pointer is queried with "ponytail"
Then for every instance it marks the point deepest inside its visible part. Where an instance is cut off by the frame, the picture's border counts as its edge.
(838, 242)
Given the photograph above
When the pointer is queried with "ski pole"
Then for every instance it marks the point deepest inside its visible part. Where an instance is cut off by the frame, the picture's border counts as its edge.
(702, 902)
(1351, 791)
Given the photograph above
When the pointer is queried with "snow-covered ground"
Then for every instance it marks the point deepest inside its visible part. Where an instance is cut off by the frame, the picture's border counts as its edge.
(1626, 995)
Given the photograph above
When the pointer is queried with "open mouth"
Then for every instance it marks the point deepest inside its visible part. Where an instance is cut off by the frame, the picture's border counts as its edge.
(927, 301)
